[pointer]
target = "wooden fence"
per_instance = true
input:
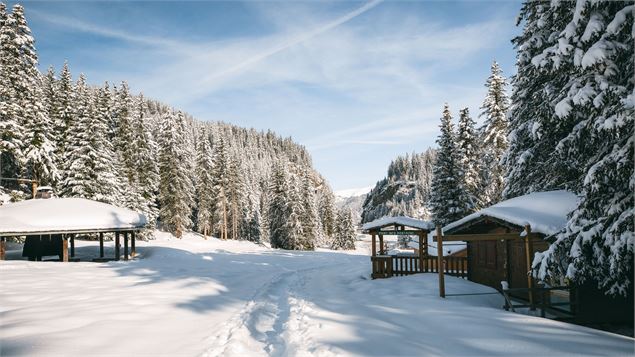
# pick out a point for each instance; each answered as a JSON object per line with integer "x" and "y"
{"x": 385, "y": 266}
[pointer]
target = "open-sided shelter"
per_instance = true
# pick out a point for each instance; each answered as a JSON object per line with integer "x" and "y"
{"x": 49, "y": 225}
{"x": 385, "y": 265}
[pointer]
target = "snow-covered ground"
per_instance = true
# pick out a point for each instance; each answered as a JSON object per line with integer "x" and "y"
{"x": 195, "y": 297}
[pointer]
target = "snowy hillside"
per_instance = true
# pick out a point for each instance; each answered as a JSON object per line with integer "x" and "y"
{"x": 193, "y": 297}
{"x": 352, "y": 199}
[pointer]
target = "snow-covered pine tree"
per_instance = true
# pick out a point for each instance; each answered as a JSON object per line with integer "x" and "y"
{"x": 236, "y": 199}
{"x": 65, "y": 114}
{"x": 470, "y": 158}
{"x": 107, "y": 180}
{"x": 533, "y": 135}
{"x": 13, "y": 87}
{"x": 494, "y": 136}
{"x": 37, "y": 143}
{"x": 345, "y": 235}
{"x": 175, "y": 209}
{"x": 145, "y": 161}
{"x": 278, "y": 210}
{"x": 594, "y": 111}
{"x": 220, "y": 188}
{"x": 328, "y": 216}
{"x": 309, "y": 215}
{"x": 204, "y": 184}
{"x": 80, "y": 154}
{"x": 449, "y": 199}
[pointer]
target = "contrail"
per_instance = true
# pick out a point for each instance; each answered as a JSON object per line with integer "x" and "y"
{"x": 294, "y": 41}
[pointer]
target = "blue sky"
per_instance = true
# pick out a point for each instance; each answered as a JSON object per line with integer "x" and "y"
{"x": 357, "y": 83}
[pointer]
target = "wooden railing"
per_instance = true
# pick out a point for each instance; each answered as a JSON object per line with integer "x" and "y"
{"x": 541, "y": 299}
{"x": 385, "y": 266}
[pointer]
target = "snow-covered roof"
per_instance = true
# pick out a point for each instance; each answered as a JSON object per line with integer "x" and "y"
{"x": 545, "y": 212}
{"x": 399, "y": 220}
{"x": 65, "y": 215}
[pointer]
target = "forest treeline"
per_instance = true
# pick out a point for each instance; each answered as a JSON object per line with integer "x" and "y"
{"x": 107, "y": 144}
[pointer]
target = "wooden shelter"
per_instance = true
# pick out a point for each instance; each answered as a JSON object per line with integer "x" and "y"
{"x": 51, "y": 226}
{"x": 385, "y": 265}
{"x": 501, "y": 243}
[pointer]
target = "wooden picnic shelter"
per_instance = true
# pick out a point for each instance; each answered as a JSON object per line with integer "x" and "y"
{"x": 385, "y": 265}
{"x": 51, "y": 226}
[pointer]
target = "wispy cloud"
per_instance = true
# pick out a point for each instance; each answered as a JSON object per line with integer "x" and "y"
{"x": 337, "y": 76}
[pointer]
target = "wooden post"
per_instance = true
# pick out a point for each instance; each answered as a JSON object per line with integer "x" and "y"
{"x": 440, "y": 262}
{"x": 425, "y": 243}
{"x": 72, "y": 245}
{"x": 125, "y": 245}
{"x": 421, "y": 252}
{"x": 528, "y": 254}
{"x": 64, "y": 248}
{"x": 381, "y": 244}
{"x": 374, "y": 246}
{"x": 101, "y": 245}
{"x": 133, "y": 250}
{"x": 34, "y": 187}
{"x": 116, "y": 245}
{"x": 3, "y": 248}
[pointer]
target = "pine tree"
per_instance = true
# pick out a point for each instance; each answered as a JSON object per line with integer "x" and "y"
{"x": 585, "y": 135}
{"x": 220, "y": 188}
{"x": 309, "y": 215}
{"x": 204, "y": 184}
{"x": 494, "y": 134}
{"x": 65, "y": 114}
{"x": 144, "y": 160}
{"x": 469, "y": 157}
{"x": 326, "y": 208}
{"x": 175, "y": 208}
{"x": 345, "y": 235}
{"x": 15, "y": 88}
{"x": 449, "y": 198}
{"x": 80, "y": 153}
{"x": 108, "y": 181}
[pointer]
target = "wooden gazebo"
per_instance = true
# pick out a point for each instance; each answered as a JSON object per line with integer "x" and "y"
{"x": 49, "y": 225}
{"x": 385, "y": 265}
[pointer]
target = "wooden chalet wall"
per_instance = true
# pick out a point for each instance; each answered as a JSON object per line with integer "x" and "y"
{"x": 490, "y": 262}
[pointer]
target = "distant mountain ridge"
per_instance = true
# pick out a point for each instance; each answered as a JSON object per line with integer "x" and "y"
{"x": 404, "y": 191}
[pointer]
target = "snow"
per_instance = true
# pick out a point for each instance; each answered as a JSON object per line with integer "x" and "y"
{"x": 545, "y": 212}
{"x": 353, "y": 192}
{"x": 65, "y": 214}
{"x": 196, "y": 297}
{"x": 398, "y": 220}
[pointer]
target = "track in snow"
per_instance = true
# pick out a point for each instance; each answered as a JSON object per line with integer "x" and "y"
{"x": 273, "y": 323}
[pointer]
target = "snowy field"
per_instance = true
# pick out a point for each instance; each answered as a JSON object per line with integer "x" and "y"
{"x": 193, "y": 297}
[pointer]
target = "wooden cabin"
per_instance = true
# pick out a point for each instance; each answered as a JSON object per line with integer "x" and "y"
{"x": 497, "y": 251}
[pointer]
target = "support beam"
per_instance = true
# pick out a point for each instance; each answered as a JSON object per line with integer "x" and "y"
{"x": 125, "y": 246}
{"x": 528, "y": 254}
{"x": 479, "y": 237}
{"x": 72, "y": 245}
{"x": 133, "y": 250}
{"x": 64, "y": 248}
{"x": 117, "y": 253}
{"x": 425, "y": 243}
{"x": 374, "y": 246}
{"x": 421, "y": 252}
{"x": 3, "y": 248}
{"x": 101, "y": 244}
{"x": 440, "y": 262}
{"x": 381, "y": 245}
